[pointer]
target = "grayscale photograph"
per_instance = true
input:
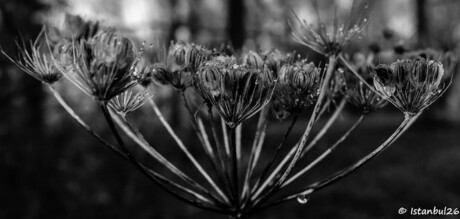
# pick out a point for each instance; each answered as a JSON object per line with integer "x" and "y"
{"x": 229, "y": 109}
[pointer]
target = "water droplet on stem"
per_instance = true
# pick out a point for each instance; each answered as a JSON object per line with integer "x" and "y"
{"x": 302, "y": 199}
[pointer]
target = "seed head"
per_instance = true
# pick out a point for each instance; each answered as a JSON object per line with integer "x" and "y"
{"x": 237, "y": 92}
{"x": 411, "y": 85}
{"x": 36, "y": 61}
{"x": 103, "y": 66}
{"x": 297, "y": 87}
{"x": 331, "y": 42}
{"x": 359, "y": 94}
{"x": 126, "y": 102}
{"x": 183, "y": 60}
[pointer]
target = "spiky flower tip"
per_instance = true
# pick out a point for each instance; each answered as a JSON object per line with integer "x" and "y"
{"x": 237, "y": 92}
{"x": 127, "y": 102}
{"x": 411, "y": 85}
{"x": 36, "y": 61}
{"x": 297, "y": 88}
{"x": 103, "y": 66}
{"x": 183, "y": 60}
{"x": 331, "y": 42}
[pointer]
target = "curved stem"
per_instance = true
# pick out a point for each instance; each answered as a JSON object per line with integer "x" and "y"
{"x": 202, "y": 136}
{"x": 318, "y": 136}
{"x": 255, "y": 151}
{"x": 147, "y": 172}
{"x": 326, "y": 127}
{"x": 137, "y": 136}
{"x": 77, "y": 118}
{"x": 300, "y": 146}
{"x": 187, "y": 152}
{"x": 223, "y": 156}
{"x": 346, "y": 171}
{"x": 206, "y": 146}
{"x": 156, "y": 177}
{"x": 272, "y": 161}
{"x": 324, "y": 154}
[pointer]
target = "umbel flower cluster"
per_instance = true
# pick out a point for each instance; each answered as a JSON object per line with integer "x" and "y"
{"x": 107, "y": 66}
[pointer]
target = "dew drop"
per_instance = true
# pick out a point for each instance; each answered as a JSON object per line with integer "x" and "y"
{"x": 302, "y": 199}
{"x": 365, "y": 20}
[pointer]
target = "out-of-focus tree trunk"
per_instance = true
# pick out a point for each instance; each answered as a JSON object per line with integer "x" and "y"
{"x": 235, "y": 23}
{"x": 422, "y": 23}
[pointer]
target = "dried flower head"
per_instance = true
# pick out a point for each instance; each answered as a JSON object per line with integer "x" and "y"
{"x": 237, "y": 92}
{"x": 195, "y": 55}
{"x": 448, "y": 59}
{"x": 297, "y": 87}
{"x": 411, "y": 85}
{"x": 275, "y": 59}
{"x": 331, "y": 42}
{"x": 126, "y": 102}
{"x": 361, "y": 96}
{"x": 365, "y": 99}
{"x": 36, "y": 61}
{"x": 103, "y": 66}
{"x": 183, "y": 60}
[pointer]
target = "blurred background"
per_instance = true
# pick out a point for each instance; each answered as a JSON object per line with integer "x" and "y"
{"x": 51, "y": 168}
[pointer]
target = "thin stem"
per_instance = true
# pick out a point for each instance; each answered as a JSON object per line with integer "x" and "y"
{"x": 300, "y": 146}
{"x": 77, "y": 118}
{"x": 310, "y": 145}
{"x": 326, "y": 127}
{"x": 206, "y": 147}
{"x": 255, "y": 151}
{"x": 346, "y": 171}
{"x": 201, "y": 133}
{"x": 347, "y": 64}
{"x": 157, "y": 178}
{"x": 187, "y": 152}
{"x": 272, "y": 161}
{"x": 142, "y": 168}
{"x": 324, "y": 108}
{"x": 324, "y": 154}
{"x": 224, "y": 134}
{"x": 139, "y": 138}
{"x": 224, "y": 159}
